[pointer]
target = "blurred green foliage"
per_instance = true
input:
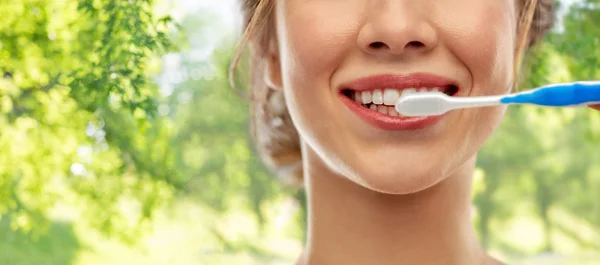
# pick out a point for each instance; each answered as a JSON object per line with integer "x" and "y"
{"x": 97, "y": 160}
{"x": 542, "y": 163}
{"x": 76, "y": 102}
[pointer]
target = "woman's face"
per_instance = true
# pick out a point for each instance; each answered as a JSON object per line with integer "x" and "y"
{"x": 344, "y": 62}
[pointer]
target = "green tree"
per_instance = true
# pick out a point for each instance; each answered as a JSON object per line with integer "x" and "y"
{"x": 77, "y": 111}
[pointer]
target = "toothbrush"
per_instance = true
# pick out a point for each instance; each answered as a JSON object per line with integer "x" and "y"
{"x": 558, "y": 95}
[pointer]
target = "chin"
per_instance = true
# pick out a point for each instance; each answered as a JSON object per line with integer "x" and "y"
{"x": 399, "y": 179}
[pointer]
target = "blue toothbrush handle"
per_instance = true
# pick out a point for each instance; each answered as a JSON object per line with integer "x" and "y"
{"x": 559, "y": 95}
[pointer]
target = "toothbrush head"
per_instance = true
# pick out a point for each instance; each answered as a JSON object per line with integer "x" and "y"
{"x": 423, "y": 104}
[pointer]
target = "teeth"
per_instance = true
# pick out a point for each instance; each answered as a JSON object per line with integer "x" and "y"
{"x": 377, "y": 96}
{"x": 409, "y": 90}
{"x": 387, "y": 96}
{"x": 366, "y": 97}
{"x": 433, "y": 89}
{"x": 390, "y": 96}
{"x": 383, "y": 100}
{"x": 357, "y": 97}
{"x": 392, "y": 112}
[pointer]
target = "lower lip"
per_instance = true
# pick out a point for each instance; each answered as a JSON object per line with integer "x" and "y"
{"x": 387, "y": 122}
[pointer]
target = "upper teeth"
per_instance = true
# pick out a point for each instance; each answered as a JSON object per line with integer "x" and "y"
{"x": 388, "y": 96}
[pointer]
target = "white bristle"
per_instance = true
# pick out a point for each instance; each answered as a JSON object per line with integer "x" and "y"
{"x": 422, "y": 104}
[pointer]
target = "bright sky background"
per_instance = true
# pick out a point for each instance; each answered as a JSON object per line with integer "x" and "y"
{"x": 227, "y": 10}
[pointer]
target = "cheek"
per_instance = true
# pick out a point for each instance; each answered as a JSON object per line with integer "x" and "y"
{"x": 313, "y": 41}
{"x": 482, "y": 35}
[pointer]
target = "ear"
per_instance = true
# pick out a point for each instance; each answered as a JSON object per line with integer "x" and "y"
{"x": 272, "y": 71}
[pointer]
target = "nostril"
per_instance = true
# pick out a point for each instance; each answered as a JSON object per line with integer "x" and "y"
{"x": 415, "y": 44}
{"x": 377, "y": 45}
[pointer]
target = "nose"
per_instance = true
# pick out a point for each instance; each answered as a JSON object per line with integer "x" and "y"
{"x": 399, "y": 29}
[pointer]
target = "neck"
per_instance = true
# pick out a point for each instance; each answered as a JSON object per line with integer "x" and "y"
{"x": 349, "y": 224}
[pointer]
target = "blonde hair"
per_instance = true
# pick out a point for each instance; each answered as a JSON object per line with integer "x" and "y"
{"x": 276, "y": 139}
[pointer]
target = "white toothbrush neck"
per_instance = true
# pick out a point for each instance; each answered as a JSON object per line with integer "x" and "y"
{"x": 474, "y": 102}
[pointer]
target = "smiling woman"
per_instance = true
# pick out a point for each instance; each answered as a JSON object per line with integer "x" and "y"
{"x": 280, "y": 145}
{"x": 324, "y": 73}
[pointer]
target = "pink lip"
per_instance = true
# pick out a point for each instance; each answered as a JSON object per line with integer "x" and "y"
{"x": 388, "y": 122}
{"x": 399, "y": 82}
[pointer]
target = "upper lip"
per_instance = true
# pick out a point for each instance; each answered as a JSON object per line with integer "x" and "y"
{"x": 417, "y": 80}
